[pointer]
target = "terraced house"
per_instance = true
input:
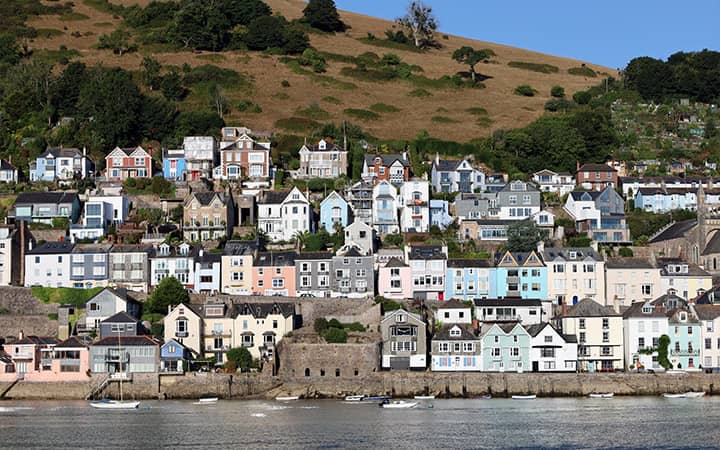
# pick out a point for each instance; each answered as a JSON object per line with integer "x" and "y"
{"x": 124, "y": 163}
{"x": 428, "y": 264}
{"x": 468, "y": 279}
{"x": 353, "y": 273}
{"x": 130, "y": 266}
{"x": 208, "y": 215}
{"x": 505, "y": 348}
{"x": 313, "y": 274}
{"x": 274, "y": 274}
{"x": 173, "y": 261}
{"x": 89, "y": 266}
{"x": 519, "y": 274}
{"x": 237, "y": 267}
{"x": 574, "y": 274}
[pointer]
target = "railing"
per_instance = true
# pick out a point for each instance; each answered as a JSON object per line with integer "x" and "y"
{"x": 23, "y": 355}
{"x": 121, "y": 376}
{"x": 116, "y": 358}
{"x": 686, "y": 352}
{"x": 182, "y": 334}
{"x": 221, "y": 333}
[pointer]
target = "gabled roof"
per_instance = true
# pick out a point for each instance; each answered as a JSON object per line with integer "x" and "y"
{"x": 387, "y": 160}
{"x": 713, "y": 245}
{"x": 395, "y": 262}
{"x": 459, "y": 263}
{"x": 333, "y": 195}
{"x": 453, "y": 304}
{"x": 126, "y": 341}
{"x": 275, "y": 259}
{"x": 239, "y": 248}
{"x": 517, "y": 259}
{"x": 628, "y": 263}
{"x": 535, "y": 329}
{"x": 578, "y": 195}
{"x": 35, "y": 340}
{"x": 594, "y": 167}
{"x": 444, "y": 334}
{"x": 427, "y": 252}
{"x": 120, "y": 317}
{"x": 566, "y": 253}
{"x": 262, "y": 310}
{"x": 707, "y": 312}
{"x": 52, "y": 248}
{"x": 132, "y": 248}
{"x": 4, "y": 165}
{"x": 509, "y": 301}
{"x": 588, "y": 307}
{"x": 676, "y": 230}
{"x": 272, "y": 197}
{"x": 56, "y": 198}
{"x": 329, "y": 147}
{"x": 61, "y": 152}
{"x": 206, "y": 198}
{"x": 118, "y": 292}
{"x": 92, "y": 248}
{"x": 75, "y": 342}
{"x": 636, "y": 311}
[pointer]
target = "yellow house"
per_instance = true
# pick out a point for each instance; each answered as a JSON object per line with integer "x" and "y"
{"x": 599, "y": 331}
{"x": 237, "y": 267}
{"x": 184, "y": 324}
{"x": 687, "y": 280}
{"x": 261, "y": 326}
{"x": 630, "y": 280}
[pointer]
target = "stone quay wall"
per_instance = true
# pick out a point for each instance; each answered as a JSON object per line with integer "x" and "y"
{"x": 397, "y": 384}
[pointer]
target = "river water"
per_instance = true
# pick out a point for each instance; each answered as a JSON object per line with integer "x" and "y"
{"x": 497, "y": 423}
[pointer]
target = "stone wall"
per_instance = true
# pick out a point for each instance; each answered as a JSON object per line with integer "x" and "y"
{"x": 369, "y": 317}
{"x": 21, "y": 311}
{"x": 308, "y": 361}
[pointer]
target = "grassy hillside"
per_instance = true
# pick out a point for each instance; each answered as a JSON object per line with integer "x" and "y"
{"x": 386, "y": 109}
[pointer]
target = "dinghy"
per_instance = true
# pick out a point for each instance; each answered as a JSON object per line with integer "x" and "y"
{"x": 666, "y": 395}
{"x": 606, "y": 395}
{"x": 694, "y": 394}
{"x": 424, "y": 397}
{"x": 206, "y": 401}
{"x": 354, "y": 398}
{"x": 524, "y": 397}
{"x": 287, "y": 398}
{"x": 114, "y": 404}
{"x": 399, "y": 404}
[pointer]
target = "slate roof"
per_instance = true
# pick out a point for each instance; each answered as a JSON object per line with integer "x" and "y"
{"x": 262, "y": 310}
{"x": 387, "y": 160}
{"x": 208, "y": 257}
{"x": 265, "y": 259}
{"x": 535, "y": 329}
{"x": 4, "y": 165}
{"x": 510, "y": 301}
{"x": 62, "y": 152}
{"x": 588, "y": 307}
{"x": 581, "y": 253}
{"x": 120, "y": 317}
{"x": 444, "y": 334}
{"x": 312, "y": 256}
{"x": 126, "y": 341}
{"x": 75, "y": 342}
{"x": 395, "y": 262}
{"x": 427, "y": 252}
{"x": 273, "y": 197}
{"x": 709, "y": 297}
{"x": 595, "y": 167}
{"x": 45, "y": 197}
{"x": 453, "y": 304}
{"x": 693, "y": 269}
{"x": 674, "y": 231}
{"x": 577, "y": 195}
{"x": 92, "y": 248}
{"x": 468, "y": 262}
{"x": 635, "y": 310}
{"x": 132, "y": 248}
{"x": 713, "y": 246}
{"x": 628, "y": 263}
{"x": 36, "y": 340}
{"x": 353, "y": 252}
{"x": 329, "y": 147}
{"x": 673, "y": 316}
{"x": 205, "y": 198}
{"x": 507, "y": 327}
{"x": 707, "y": 312}
{"x": 52, "y": 248}
{"x": 239, "y": 248}
{"x": 5, "y": 358}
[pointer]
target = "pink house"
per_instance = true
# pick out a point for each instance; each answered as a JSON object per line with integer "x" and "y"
{"x": 395, "y": 280}
{"x": 274, "y": 274}
{"x": 71, "y": 360}
{"x": 31, "y": 355}
{"x": 38, "y": 359}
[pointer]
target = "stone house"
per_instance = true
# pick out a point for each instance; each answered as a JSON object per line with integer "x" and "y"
{"x": 208, "y": 216}
{"x": 324, "y": 160}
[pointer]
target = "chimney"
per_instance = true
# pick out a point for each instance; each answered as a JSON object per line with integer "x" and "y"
{"x": 616, "y": 305}
{"x": 201, "y": 253}
{"x": 437, "y": 158}
{"x": 21, "y": 335}
{"x": 540, "y": 247}
{"x": 564, "y": 308}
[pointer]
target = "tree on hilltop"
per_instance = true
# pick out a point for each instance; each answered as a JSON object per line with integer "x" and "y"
{"x": 470, "y": 56}
{"x": 420, "y": 23}
{"x": 323, "y": 15}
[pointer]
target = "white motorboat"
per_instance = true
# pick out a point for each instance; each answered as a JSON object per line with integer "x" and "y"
{"x": 424, "y": 397}
{"x": 666, "y": 395}
{"x": 524, "y": 397}
{"x": 206, "y": 401}
{"x": 287, "y": 398}
{"x": 605, "y": 395}
{"x": 399, "y": 404}
{"x": 354, "y": 398}
{"x": 694, "y": 394}
{"x": 114, "y": 404}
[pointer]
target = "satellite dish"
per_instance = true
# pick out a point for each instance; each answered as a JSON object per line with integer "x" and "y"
{"x": 363, "y": 144}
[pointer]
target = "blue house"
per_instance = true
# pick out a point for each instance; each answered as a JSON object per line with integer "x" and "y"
{"x": 334, "y": 210}
{"x": 468, "y": 279}
{"x": 58, "y": 164}
{"x": 505, "y": 348}
{"x": 174, "y": 165}
{"x": 440, "y": 214}
{"x": 521, "y": 275}
{"x": 684, "y": 333}
{"x": 173, "y": 356}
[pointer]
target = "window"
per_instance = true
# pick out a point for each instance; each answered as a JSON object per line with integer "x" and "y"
{"x": 581, "y": 339}
{"x": 641, "y": 343}
{"x": 495, "y": 352}
{"x": 548, "y": 339}
{"x": 547, "y": 352}
{"x": 278, "y": 283}
{"x": 581, "y": 324}
{"x": 647, "y": 289}
{"x": 689, "y": 330}
{"x": 606, "y": 323}
{"x": 708, "y": 344}
{"x": 606, "y": 336}
{"x": 515, "y": 351}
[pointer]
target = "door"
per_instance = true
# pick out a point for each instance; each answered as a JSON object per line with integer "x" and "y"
{"x": 536, "y": 366}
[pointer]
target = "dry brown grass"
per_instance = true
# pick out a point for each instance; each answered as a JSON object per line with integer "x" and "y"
{"x": 505, "y": 109}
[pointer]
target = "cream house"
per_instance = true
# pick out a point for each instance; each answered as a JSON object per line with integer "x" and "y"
{"x": 184, "y": 324}
{"x": 575, "y": 273}
{"x": 709, "y": 316}
{"x": 237, "y": 267}
{"x": 259, "y": 327}
{"x": 630, "y": 280}
{"x": 599, "y": 331}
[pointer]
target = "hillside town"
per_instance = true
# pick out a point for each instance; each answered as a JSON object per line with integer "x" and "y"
{"x": 458, "y": 270}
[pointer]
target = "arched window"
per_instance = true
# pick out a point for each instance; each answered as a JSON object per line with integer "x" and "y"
{"x": 307, "y": 372}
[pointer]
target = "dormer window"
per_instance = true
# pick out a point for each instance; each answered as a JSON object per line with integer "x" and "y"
{"x": 164, "y": 250}
{"x": 455, "y": 332}
{"x": 184, "y": 249}
{"x": 647, "y": 309}
{"x": 683, "y": 317}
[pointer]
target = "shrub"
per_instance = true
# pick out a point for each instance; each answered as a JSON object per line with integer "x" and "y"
{"x": 383, "y": 108}
{"x": 335, "y": 336}
{"x": 240, "y": 357}
{"x": 320, "y": 325}
{"x": 477, "y": 111}
{"x": 626, "y": 252}
{"x": 419, "y": 93}
{"x": 443, "y": 119}
{"x": 535, "y": 67}
{"x": 525, "y": 90}
{"x": 333, "y": 100}
{"x": 297, "y": 124}
{"x": 210, "y": 73}
{"x": 662, "y": 350}
{"x": 583, "y": 71}
{"x": 558, "y": 104}
{"x": 285, "y": 83}
{"x": 557, "y": 91}
{"x": 362, "y": 114}
{"x": 582, "y": 97}
{"x": 313, "y": 111}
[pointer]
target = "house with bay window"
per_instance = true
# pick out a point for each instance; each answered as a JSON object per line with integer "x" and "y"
{"x": 185, "y": 325}
{"x": 456, "y": 175}
{"x": 60, "y": 164}
{"x": 243, "y": 157}
{"x": 313, "y": 274}
{"x": 208, "y": 216}
{"x": 334, "y": 213}
{"x": 124, "y": 163}
{"x": 429, "y": 268}
{"x": 173, "y": 261}
{"x": 274, "y": 274}
{"x": 414, "y": 201}
{"x": 259, "y": 327}
{"x": 283, "y": 214}
{"x": 385, "y": 205}
{"x": 505, "y": 348}
{"x": 455, "y": 348}
{"x": 324, "y": 160}
{"x": 89, "y": 266}
{"x": 489, "y": 311}
{"x": 518, "y": 200}
{"x": 237, "y": 267}
{"x": 404, "y": 341}
{"x": 468, "y": 279}
{"x": 43, "y": 207}
{"x": 519, "y": 274}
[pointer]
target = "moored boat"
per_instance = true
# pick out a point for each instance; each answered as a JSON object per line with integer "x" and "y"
{"x": 424, "y": 397}
{"x": 287, "y": 398}
{"x": 114, "y": 404}
{"x": 605, "y": 395}
{"x": 398, "y": 404}
{"x": 375, "y": 398}
{"x": 206, "y": 401}
{"x": 666, "y": 395}
{"x": 694, "y": 394}
{"x": 524, "y": 397}
{"x": 354, "y": 398}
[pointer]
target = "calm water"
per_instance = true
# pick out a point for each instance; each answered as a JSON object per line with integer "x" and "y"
{"x": 569, "y": 423}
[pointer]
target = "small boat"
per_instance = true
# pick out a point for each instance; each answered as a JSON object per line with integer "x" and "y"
{"x": 482, "y": 397}
{"x": 524, "y": 397}
{"x": 114, "y": 404}
{"x": 694, "y": 394}
{"x": 605, "y": 395}
{"x": 206, "y": 401}
{"x": 287, "y": 398}
{"x": 398, "y": 404}
{"x": 666, "y": 395}
{"x": 375, "y": 398}
{"x": 354, "y": 398}
{"x": 424, "y": 397}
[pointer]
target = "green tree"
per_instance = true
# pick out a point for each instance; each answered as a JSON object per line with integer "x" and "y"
{"x": 662, "y": 350}
{"x": 9, "y": 49}
{"x": 157, "y": 118}
{"x": 470, "y": 56}
{"x": 524, "y": 235}
{"x": 118, "y": 41}
{"x": 265, "y": 32}
{"x": 240, "y": 357}
{"x": 150, "y": 72}
{"x": 242, "y": 12}
{"x": 421, "y": 24}
{"x": 582, "y": 97}
{"x": 66, "y": 88}
{"x": 320, "y": 325}
{"x": 168, "y": 292}
{"x": 711, "y": 130}
{"x": 335, "y": 336}
{"x": 171, "y": 86}
{"x": 323, "y": 15}
{"x": 557, "y": 91}
{"x": 201, "y": 24}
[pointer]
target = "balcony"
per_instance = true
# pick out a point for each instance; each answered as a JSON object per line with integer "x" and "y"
{"x": 182, "y": 334}
{"x": 165, "y": 271}
{"x": 23, "y": 355}
{"x": 685, "y": 352}
{"x": 227, "y": 333}
{"x": 109, "y": 357}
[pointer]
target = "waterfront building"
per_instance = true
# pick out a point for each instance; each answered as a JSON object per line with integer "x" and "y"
{"x": 455, "y": 348}
{"x": 105, "y": 304}
{"x": 643, "y": 324}
{"x": 574, "y": 272}
{"x": 550, "y": 350}
{"x": 468, "y": 279}
{"x": 395, "y": 280}
{"x": 404, "y": 341}
{"x": 505, "y": 348}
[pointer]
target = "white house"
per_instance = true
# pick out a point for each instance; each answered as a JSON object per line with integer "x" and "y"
{"x": 172, "y": 261}
{"x": 200, "y": 156}
{"x": 283, "y": 214}
{"x": 524, "y": 311}
{"x": 550, "y": 350}
{"x": 208, "y": 277}
{"x": 100, "y": 212}
{"x": 549, "y": 181}
{"x": 709, "y": 316}
{"x": 415, "y": 207}
{"x": 8, "y": 172}
{"x": 574, "y": 274}
{"x": 385, "y": 208}
{"x": 428, "y": 264}
{"x": 454, "y": 311}
{"x": 643, "y": 324}
{"x": 456, "y": 176}
{"x": 361, "y": 235}
{"x": 49, "y": 265}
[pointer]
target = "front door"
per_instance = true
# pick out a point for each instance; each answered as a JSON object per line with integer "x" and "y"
{"x": 536, "y": 366}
